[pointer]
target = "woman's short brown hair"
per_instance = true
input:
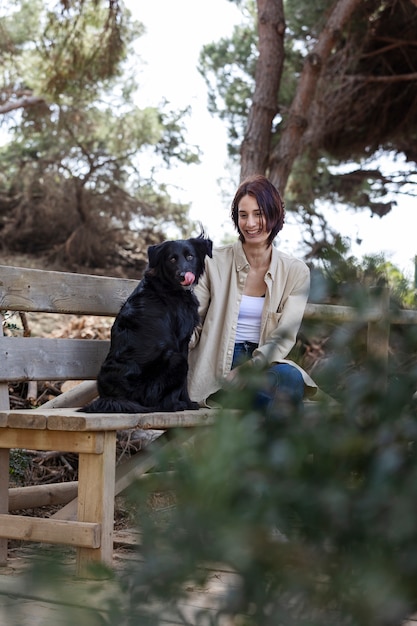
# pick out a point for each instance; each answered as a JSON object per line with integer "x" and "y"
{"x": 269, "y": 201}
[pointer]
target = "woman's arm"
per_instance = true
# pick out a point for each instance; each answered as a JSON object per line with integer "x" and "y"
{"x": 281, "y": 327}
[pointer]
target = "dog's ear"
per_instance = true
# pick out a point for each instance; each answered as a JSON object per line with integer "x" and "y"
{"x": 203, "y": 245}
{"x": 154, "y": 253}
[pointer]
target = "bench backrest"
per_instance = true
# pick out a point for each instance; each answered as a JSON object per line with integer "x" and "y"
{"x": 53, "y": 359}
{"x": 39, "y": 358}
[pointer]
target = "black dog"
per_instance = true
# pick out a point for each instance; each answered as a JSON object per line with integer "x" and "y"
{"x": 147, "y": 364}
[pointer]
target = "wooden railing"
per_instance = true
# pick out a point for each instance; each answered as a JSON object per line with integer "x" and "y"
{"x": 378, "y": 316}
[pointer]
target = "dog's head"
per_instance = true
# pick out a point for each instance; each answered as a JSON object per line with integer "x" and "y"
{"x": 179, "y": 262}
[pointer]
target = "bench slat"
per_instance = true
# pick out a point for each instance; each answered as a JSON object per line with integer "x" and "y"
{"x": 82, "y": 534}
{"x": 23, "y": 289}
{"x": 38, "y": 358}
{"x": 72, "y": 421}
{"x": 64, "y": 441}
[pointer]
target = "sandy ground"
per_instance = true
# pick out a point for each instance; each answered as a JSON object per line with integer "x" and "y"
{"x": 25, "y": 602}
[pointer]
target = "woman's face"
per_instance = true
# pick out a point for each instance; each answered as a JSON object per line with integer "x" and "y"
{"x": 251, "y": 221}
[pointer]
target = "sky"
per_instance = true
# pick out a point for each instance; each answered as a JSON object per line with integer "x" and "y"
{"x": 175, "y": 33}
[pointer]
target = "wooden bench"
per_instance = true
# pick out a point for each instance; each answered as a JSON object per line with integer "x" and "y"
{"x": 87, "y": 521}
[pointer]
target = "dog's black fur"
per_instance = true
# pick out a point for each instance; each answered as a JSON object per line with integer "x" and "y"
{"x": 147, "y": 364}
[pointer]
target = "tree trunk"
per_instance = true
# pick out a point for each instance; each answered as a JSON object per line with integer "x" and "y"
{"x": 289, "y": 146}
{"x": 256, "y": 143}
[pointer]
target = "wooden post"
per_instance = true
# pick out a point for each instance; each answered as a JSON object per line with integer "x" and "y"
{"x": 379, "y": 329}
{"x": 96, "y": 481}
{"x": 4, "y": 497}
{"x": 4, "y": 465}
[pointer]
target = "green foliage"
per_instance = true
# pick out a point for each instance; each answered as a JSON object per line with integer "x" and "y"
{"x": 80, "y": 154}
{"x": 9, "y": 322}
{"x": 338, "y": 277}
{"x": 340, "y": 485}
{"x": 314, "y": 512}
{"x": 19, "y": 466}
{"x": 306, "y": 20}
{"x": 344, "y": 155}
{"x": 228, "y": 67}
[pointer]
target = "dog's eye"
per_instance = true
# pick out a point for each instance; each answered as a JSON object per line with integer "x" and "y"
{"x": 173, "y": 259}
{"x": 189, "y": 257}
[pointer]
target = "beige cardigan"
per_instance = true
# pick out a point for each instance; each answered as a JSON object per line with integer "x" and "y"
{"x": 220, "y": 291}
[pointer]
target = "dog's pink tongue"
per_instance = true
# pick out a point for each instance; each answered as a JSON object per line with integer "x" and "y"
{"x": 189, "y": 278}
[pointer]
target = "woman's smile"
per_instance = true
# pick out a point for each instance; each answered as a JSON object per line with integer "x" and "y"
{"x": 253, "y": 233}
{"x": 251, "y": 220}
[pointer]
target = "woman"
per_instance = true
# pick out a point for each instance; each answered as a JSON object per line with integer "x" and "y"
{"x": 252, "y": 299}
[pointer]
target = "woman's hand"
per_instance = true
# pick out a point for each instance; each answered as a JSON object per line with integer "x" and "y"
{"x": 234, "y": 378}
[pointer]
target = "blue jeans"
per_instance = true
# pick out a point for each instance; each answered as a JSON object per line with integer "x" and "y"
{"x": 284, "y": 382}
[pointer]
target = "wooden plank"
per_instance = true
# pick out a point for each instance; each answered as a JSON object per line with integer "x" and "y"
{"x": 119, "y": 421}
{"x": 139, "y": 464}
{"x": 23, "y": 289}
{"x": 27, "y": 419}
{"x": 330, "y": 312}
{"x": 96, "y": 480}
{"x": 126, "y": 472}
{"x": 79, "y": 442}
{"x": 342, "y": 314}
{"x": 4, "y": 497}
{"x": 180, "y": 419}
{"x": 379, "y": 332}
{"x": 67, "y": 512}
{"x": 46, "y": 530}
{"x": 79, "y": 395}
{"x": 71, "y": 420}
{"x": 67, "y": 419}
{"x": 4, "y": 461}
{"x": 33, "y": 496}
{"x": 40, "y": 358}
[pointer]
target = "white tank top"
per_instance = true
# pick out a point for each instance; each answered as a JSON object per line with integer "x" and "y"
{"x": 249, "y": 320}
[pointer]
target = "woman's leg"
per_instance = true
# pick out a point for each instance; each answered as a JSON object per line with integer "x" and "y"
{"x": 284, "y": 388}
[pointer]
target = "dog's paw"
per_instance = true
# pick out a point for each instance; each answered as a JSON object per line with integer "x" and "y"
{"x": 183, "y": 405}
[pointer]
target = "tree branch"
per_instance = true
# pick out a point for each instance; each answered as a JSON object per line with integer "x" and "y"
{"x": 284, "y": 155}
{"x": 384, "y": 79}
{"x": 256, "y": 143}
{"x": 22, "y": 103}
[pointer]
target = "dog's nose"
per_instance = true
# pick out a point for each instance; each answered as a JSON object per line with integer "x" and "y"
{"x": 188, "y": 278}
